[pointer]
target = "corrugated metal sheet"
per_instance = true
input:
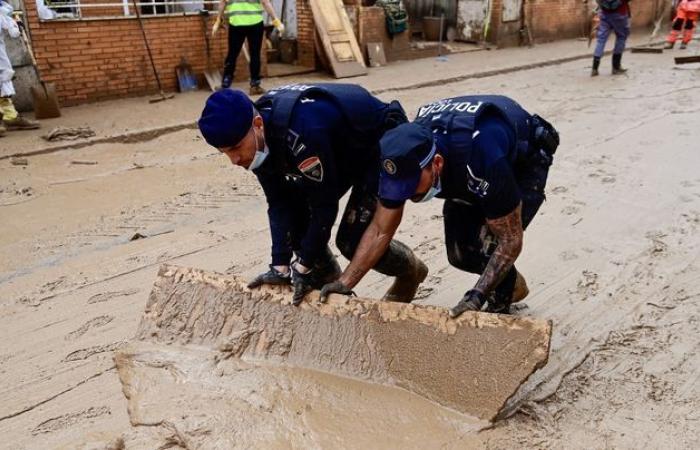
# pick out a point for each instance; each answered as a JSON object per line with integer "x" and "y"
{"x": 417, "y": 9}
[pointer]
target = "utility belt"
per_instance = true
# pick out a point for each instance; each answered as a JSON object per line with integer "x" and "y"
{"x": 544, "y": 141}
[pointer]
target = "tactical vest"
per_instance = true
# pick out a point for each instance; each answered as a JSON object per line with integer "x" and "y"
{"x": 367, "y": 117}
{"x": 244, "y": 12}
{"x": 460, "y": 114}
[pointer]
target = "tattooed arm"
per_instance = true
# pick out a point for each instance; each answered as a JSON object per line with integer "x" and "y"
{"x": 509, "y": 233}
{"x": 373, "y": 244}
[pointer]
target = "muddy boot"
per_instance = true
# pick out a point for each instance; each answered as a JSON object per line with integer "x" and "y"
{"x": 3, "y": 130}
{"x": 256, "y": 90}
{"x": 399, "y": 261}
{"x": 20, "y": 123}
{"x": 596, "y": 64}
{"x": 327, "y": 269}
{"x": 683, "y": 46}
{"x": 617, "y": 65}
{"x": 669, "y": 45}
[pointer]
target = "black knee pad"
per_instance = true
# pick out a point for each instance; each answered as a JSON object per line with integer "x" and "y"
{"x": 470, "y": 260}
{"x": 677, "y": 24}
{"x": 689, "y": 24}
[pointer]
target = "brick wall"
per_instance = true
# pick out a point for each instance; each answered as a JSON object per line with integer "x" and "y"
{"x": 306, "y": 49}
{"x": 559, "y": 19}
{"x": 371, "y": 27}
{"x": 91, "y": 60}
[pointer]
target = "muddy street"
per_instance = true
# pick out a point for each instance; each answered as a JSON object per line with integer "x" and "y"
{"x": 612, "y": 259}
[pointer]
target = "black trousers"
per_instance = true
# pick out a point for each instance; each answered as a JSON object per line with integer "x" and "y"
{"x": 236, "y": 37}
{"x": 469, "y": 241}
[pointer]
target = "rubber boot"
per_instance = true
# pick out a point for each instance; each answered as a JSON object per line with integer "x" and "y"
{"x": 400, "y": 261}
{"x": 326, "y": 269}
{"x": 520, "y": 291}
{"x": 617, "y": 65}
{"x": 20, "y": 123}
{"x": 596, "y": 64}
{"x": 3, "y": 130}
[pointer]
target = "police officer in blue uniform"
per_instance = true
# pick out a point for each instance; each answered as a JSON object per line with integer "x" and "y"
{"x": 308, "y": 145}
{"x": 488, "y": 159}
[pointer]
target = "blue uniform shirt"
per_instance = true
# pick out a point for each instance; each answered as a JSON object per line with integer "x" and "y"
{"x": 323, "y": 159}
{"x": 478, "y": 167}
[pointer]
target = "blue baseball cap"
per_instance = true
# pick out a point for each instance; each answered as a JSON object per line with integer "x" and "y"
{"x": 404, "y": 151}
{"x": 226, "y": 118}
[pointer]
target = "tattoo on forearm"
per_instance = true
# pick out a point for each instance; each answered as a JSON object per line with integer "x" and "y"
{"x": 509, "y": 232}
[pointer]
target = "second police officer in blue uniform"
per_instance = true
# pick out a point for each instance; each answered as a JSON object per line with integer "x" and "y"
{"x": 309, "y": 145}
{"x": 489, "y": 159}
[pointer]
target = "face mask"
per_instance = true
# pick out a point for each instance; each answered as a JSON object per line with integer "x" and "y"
{"x": 260, "y": 155}
{"x": 432, "y": 192}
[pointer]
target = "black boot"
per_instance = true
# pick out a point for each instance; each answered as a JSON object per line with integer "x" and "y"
{"x": 326, "y": 269}
{"x": 400, "y": 261}
{"x": 617, "y": 65}
{"x": 596, "y": 64}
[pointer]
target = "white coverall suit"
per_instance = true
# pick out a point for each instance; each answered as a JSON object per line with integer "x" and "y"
{"x": 7, "y": 90}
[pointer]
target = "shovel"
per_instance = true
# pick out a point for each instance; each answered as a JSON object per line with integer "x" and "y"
{"x": 212, "y": 76}
{"x": 162, "y": 95}
{"x": 44, "y": 97}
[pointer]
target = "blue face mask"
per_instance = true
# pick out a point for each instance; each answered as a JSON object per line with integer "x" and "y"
{"x": 260, "y": 155}
{"x": 432, "y": 192}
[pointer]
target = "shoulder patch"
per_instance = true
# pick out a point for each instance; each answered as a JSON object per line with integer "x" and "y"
{"x": 312, "y": 168}
{"x": 476, "y": 185}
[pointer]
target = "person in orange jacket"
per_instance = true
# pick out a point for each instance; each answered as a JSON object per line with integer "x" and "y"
{"x": 687, "y": 14}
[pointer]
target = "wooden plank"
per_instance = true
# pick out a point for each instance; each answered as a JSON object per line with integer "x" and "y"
{"x": 687, "y": 59}
{"x": 338, "y": 39}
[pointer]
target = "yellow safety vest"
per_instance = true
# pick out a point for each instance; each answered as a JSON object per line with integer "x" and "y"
{"x": 243, "y": 12}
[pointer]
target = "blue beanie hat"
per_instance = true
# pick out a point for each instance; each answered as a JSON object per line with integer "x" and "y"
{"x": 226, "y": 118}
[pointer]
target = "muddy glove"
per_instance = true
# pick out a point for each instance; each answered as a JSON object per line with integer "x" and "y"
{"x": 272, "y": 276}
{"x": 473, "y": 300}
{"x": 336, "y": 287}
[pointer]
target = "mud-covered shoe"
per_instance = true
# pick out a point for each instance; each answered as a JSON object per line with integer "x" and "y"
{"x": 683, "y": 46}
{"x": 619, "y": 71}
{"x": 594, "y": 72}
{"x": 669, "y": 45}
{"x": 405, "y": 286}
{"x": 256, "y": 90}
{"x": 20, "y": 123}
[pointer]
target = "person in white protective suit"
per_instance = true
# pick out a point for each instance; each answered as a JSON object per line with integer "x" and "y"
{"x": 11, "y": 120}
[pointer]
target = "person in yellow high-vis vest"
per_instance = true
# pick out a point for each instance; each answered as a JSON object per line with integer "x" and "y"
{"x": 245, "y": 22}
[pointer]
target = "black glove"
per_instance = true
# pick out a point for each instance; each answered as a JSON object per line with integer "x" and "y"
{"x": 473, "y": 300}
{"x": 336, "y": 287}
{"x": 303, "y": 284}
{"x": 272, "y": 276}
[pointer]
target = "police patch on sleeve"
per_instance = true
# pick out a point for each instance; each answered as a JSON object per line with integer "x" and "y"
{"x": 389, "y": 166}
{"x": 312, "y": 168}
{"x": 476, "y": 185}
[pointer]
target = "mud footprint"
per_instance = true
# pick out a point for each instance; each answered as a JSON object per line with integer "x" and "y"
{"x": 95, "y": 322}
{"x": 105, "y": 296}
{"x": 67, "y": 420}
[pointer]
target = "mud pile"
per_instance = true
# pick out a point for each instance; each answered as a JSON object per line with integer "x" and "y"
{"x": 215, "y": 364}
